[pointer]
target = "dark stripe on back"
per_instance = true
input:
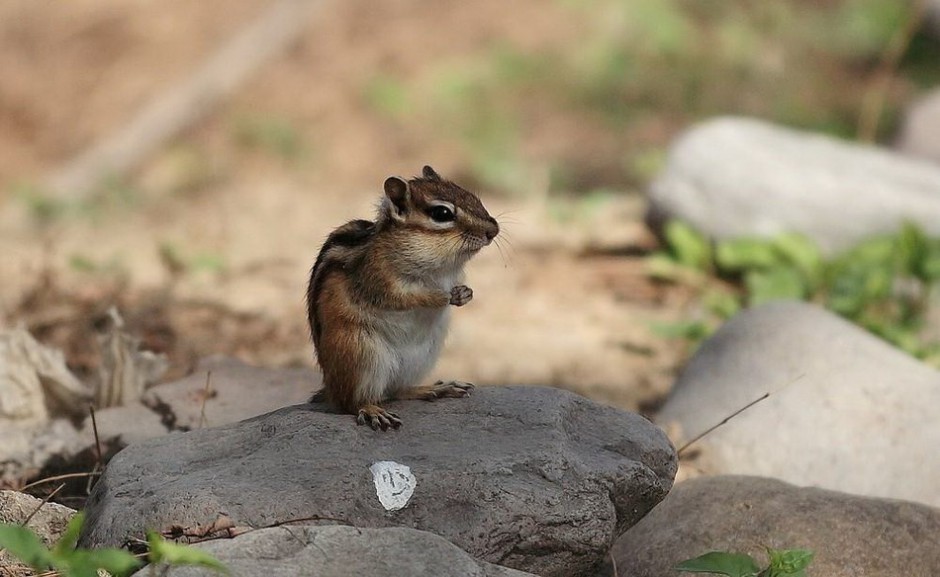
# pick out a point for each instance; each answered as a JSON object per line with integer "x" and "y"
{"x": 352, "y": 234}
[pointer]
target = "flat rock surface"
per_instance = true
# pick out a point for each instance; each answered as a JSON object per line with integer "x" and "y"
{"x": 533, "y": 478}
{"x": 232, "y": 395}
{"x": 848, "y": 411}
{"x": 738, "y": 177}
{"x": 339, "y": 551}
{"x": 851, "y": 536}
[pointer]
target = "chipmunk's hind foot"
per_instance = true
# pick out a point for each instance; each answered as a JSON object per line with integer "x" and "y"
{"x": 378, "y": 418}
{"x": 439, "y": 390}
{"x": 455, "y": 389}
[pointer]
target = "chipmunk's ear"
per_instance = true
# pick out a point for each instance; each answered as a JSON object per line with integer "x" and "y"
{"x": 430, "y": 174}
{"x": 396, "y": 189}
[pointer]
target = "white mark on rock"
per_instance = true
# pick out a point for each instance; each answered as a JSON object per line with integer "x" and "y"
{"x": 394, "y": 484}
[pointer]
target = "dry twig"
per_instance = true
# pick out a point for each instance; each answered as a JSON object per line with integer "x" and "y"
{"x": 171, "y": 112}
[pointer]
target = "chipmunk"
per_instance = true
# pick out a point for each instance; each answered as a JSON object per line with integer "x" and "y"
{"x": 379, "y": 295}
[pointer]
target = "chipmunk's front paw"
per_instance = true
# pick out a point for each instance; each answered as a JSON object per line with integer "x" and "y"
{"x": 460, "y": 295}
{"x": 378, "y": 418}
{"x": 455, "y": 389}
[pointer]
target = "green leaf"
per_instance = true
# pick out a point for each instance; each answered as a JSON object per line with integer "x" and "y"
{"x": 774, "y": 284}
{"x": 913, "y": 250}
{"x": 662, "y": 266}
{"x": 802, "y": 253}
{"x": 931, "y": 265}
{"x": 117, "y": 562}
{"x": 789, "y": 562}
{"x": 687, "y": 246}
{"x": 722, "y": 303}
{"x": 25, "y": 546}
{"x": 858, "y": 285}
{"x": 163, "y": 551}
{"x": 731, "y": 564}
{"x": 745, "y": 254}
{"x": 69, "y": 538}
{"x": 688, "y": 330}
{"x": 77, "y": 564}
{"x": 879, "y": 251}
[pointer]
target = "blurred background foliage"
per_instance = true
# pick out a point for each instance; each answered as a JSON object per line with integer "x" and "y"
{"x": 590, "y": 102}
{"x": 559, "y": 112}
{"x": 636, "y": 71}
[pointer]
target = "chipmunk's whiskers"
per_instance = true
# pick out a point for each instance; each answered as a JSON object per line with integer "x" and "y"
{"x": 500, "y": 216}
{"x": 510, "y": 250}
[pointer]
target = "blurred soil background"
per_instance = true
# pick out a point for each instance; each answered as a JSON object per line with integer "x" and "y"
{"x": 558, "y": 112}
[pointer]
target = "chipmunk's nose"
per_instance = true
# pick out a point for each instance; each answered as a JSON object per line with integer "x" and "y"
{"x": 493, "y": 230}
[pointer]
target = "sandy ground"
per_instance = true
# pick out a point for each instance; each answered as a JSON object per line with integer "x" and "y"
{"x": 212, "y": 254}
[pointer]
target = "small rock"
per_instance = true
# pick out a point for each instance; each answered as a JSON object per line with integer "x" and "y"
{"x": 738, "y": 177}
{"x": 920, "y": 131}
{"x": 26, "y": 448}
{"x": 307, "y": 461}
{"x": 847, "y": 412}
{"x": 338, "y": 551}
{"x": 33, "y": 378}
{"x": 48, "y": 522}
{"x": 851, "y": 536}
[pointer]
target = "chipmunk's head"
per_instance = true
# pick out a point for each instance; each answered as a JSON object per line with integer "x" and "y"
{"x": 444, "y": 221}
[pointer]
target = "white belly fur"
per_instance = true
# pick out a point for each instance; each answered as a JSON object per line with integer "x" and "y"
{"x": 405, "y": 346}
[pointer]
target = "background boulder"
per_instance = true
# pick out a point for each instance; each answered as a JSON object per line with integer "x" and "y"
{"x": 920, "y": 130}
{"x": 737, "y": 177}
{"x": 847, "y": 412}
{"x": 851, "y": 536}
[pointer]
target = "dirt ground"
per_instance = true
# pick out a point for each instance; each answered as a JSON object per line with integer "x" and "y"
{"x": 207, "y": 248}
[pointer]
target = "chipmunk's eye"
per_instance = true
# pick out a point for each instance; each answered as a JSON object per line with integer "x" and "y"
{"x": 441, "y": 213}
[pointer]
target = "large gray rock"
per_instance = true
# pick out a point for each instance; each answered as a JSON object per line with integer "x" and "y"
{"x": 533, "y": 478}
{"x": 851, "y": 536}
{"x": 339, "y": 551}
{"x": 920, "y": 131}
{"x": 847, "y": 411}
{"x": 736, "y": 177}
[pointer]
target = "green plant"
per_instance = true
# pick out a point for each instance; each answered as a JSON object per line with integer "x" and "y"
{"x": 166, "y": 552}
{"x": 273, "y": 135}
{"x": 46, "y": 208}
{"x": 67, "y": 560}
{"x": 83, "y": 263}
{"x": 783, "y": 563}
{"x": 42, "y": 208}
{"x": 179, "y": 261}
{"x": 883, "y": 284}
{"x": 387, "y": 96}
{"x": 623, "y": 76}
